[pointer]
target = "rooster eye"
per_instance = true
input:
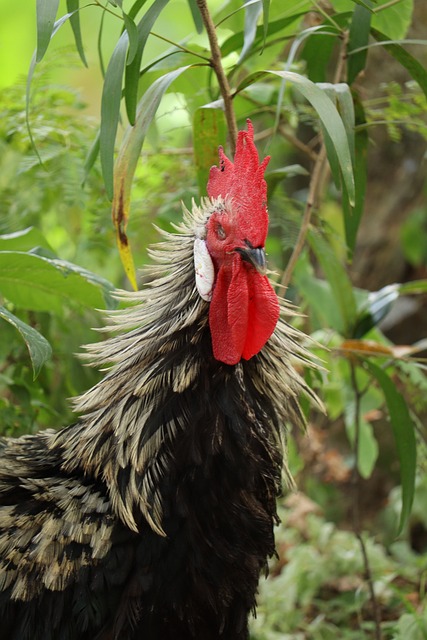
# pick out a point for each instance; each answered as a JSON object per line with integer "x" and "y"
{"x": 220, "y": 232}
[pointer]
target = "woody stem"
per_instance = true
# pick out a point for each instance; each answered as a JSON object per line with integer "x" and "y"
{"x": 216, "y": 64}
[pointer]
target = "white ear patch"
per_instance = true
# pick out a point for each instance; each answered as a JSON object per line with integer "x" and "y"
{"x": 205, "y": 272}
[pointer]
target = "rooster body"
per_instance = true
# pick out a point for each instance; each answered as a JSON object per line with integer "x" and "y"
{"x": 152, "y": 517}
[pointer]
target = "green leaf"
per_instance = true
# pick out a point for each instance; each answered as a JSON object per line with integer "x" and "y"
{"x": 24, "y": 240}
{"x": 132, "y": 13}
{"x": 404, "y": 435}
{"x": 91, "y": 157}
{"x": 358, "y": 37}
{"x": 367, "y": 453}
{"x": 341, "y": 97}
{"x": 332, "y": 124}
{"x": 235, "y": 42}
{"x": 368, "y": 449}
{"x": 411, "y": 64}
{"x": 99, "y": 43}
{"x": 110, "y": 109}
{"x": 252, "y": 13}
{"x": 127, "y": 160}
{"x": 353, "y": 214}
{"x": 395, "y": 20}
{"x": 37, "y": 283}
{"x": 324, "y": 312}
{"x": 413, "y": 287}
{"x": 265, "y": 15}
{"x": 39, "y": 349}
{"x": 46, "y": 14}
{"x": 33, "y": 63}
{"x": 340, "y": 283}
{"x": 132, "y": 30}
{"x": 336, "y": 136}
{"x": 197, "y": 18}
{"x": 317, "y": 52}
{"x": 73, "y": 9}
{"x": 145, "y": 25}
{"x": 209, "y": 131}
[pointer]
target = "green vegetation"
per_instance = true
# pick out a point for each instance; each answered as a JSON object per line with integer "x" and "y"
{"x": 74, "y": 187}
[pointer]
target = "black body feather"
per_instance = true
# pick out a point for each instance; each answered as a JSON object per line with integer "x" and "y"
{"x": 152, "y": 517}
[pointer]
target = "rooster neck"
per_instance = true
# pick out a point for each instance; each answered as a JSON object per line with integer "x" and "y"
{"x": 164, "y": 392}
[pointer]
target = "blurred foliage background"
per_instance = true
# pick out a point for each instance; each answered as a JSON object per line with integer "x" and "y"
{"x": 352, "y": 547}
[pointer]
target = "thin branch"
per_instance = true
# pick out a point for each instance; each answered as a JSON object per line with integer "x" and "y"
{"x": 318, "y": 177}
{"x": 386, "y": 5}
{"x": 216, "y": 64}
{"x": 310, "y": 204}
{"x": 356, "y": 482}
{"x": 296, "y": 142}
{"x": 179, "y": 46}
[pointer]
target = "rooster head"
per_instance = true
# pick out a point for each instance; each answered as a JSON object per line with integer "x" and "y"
{"x": 244, "y": 308}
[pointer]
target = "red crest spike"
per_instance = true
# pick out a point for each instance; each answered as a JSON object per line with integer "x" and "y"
{"x": 243, "y": 184}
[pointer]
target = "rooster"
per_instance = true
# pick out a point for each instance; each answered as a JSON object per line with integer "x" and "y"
{"x": 152, "y": 516}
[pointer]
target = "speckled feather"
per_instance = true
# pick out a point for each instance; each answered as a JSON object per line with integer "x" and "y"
{"x": 152, "y": 516}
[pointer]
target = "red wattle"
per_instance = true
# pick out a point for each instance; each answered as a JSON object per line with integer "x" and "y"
{"x": 243, "y": 312}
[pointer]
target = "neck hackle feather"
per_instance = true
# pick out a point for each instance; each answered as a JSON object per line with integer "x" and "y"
{"x": 152, "y": 516}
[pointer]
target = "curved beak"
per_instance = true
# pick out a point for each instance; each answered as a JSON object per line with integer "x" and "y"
{"x": 255, "y": 256}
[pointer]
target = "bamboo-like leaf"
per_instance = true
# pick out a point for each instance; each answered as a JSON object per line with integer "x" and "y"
{"x": 317, "y": 52}
{"x": 38, "y": 347}
{"x": 126, "y": 162}
{"x": 353, "y": 214}
{"x": 99, "y": 43}
{"x": 340, "y": 283}
{"x": 358, "y": 37}
{"x": 73, "y": 9}
{"x": 46, "y": 14}
{"x": 91, "y": 157}
{"x": 367, "y": 4}
{"x": 132, "y": 30}
{"x": 332, "y": 123}
{"x": 209, "y": 131}
{"x": 145, "y": 25}
{"x": 411, "y": 64}
{"x": 110, "y": 110}
{"x": 133, "y": 11}
{"x": 404, "y": 435}
{"x": 235, "y": 42}
{"x": 197, "y": 18}
{"x": 252, "y": 13}
{"x": 266, "y": 15}
{"x": 336, "y": 136}
{"x": 341, "y": 96}
{"x": 413, "y": 287}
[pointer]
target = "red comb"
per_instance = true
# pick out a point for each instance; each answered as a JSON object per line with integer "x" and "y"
{"x": 242, "y": 182}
